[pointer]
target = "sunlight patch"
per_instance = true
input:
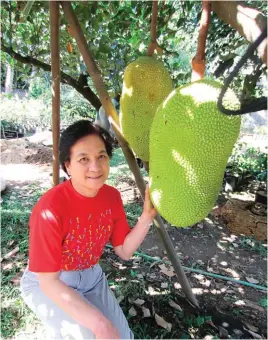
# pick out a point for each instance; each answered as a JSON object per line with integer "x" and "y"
{"x": 190, "y": 171}
{"x": 120, "y": 279}
{"x": 157, "y": 196}
{"x": 151, "y": 291}
{"x": 47, "y": 215}
{"x": 200, "y": 93}
{"x": 232, "y": 272}
{"x": 128, "y": 91}
{"x": 240, "y": 303}
{"x": 198, "y": 291}
{"x": 189, "y": 113}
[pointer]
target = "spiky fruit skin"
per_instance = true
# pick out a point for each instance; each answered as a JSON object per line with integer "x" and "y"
{"x": 146, "y": 84}
{"x": 190, "y": 143}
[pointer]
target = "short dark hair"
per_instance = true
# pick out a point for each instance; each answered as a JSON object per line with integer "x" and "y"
{"x": 75, "y": 132}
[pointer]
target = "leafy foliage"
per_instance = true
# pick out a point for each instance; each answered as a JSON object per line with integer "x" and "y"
{"x": 248, "y": 161}
{"x": 35, "y": 110}
{"x": 119, "y": 32}
{"x": 39, "y": 86}
{"x": 27, "y": 112}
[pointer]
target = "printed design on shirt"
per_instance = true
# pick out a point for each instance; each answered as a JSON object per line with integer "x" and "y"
{"x": 84, "y": 243}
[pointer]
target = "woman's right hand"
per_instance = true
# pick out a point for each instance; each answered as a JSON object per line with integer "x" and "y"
{"x": 107, "y": 331}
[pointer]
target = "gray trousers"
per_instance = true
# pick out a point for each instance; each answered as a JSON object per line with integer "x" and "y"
{"x": 92, "y": 285}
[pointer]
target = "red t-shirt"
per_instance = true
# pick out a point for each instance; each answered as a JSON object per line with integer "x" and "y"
{"x": 68, "y": 231}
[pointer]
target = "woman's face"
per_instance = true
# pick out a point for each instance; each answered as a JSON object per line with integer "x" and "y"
{"x": 89, "y": 165}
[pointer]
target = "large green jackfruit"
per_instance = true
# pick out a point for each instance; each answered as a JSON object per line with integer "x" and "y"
{"x": 146, "y": 84}
{"x": 190, "y": 143}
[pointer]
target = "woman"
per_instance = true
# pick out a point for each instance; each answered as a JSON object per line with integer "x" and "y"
{"x": 69, "y": 226}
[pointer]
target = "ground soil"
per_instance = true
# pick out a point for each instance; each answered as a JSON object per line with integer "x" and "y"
{"x": 20, "y": 151}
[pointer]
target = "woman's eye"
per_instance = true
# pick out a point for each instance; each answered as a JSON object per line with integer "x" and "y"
{"x": 102, "y": 156}
{"x": 83, "y": 160}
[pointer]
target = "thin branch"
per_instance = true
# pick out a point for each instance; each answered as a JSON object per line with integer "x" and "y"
{"x": 154, "y": 21}
{"x": 199, "y": 62}
{"x": 65, "y": 78}
{"x": 203, "y": 31}
{"x": 153, "y": 44}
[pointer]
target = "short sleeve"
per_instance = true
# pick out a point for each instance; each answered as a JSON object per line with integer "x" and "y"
{"x": 121, "y": 227}
{"x": 45, "y": 251}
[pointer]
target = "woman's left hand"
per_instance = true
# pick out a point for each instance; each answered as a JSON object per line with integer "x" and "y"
{"x": 148, "y": 207}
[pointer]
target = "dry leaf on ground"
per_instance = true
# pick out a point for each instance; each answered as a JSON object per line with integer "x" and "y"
{"x": 251, "y": 280}
{"x": 139, "y": 302}
{"x": 164, "y": 285}
{"x": 168, "y": 272}
{"x": 174, "y": 305}
{"x": 132, "y": 311}
{"x": 251, "y": 327}
{"x": 162, "y": 323}
{"x": 146, "y": 312}
{"x": 255, "y": 335}
{"x": 253, "y": 305}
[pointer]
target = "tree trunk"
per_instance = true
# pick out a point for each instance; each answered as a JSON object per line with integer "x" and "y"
{"x": 9, "y": 79}
{"x": 249, "y": 22}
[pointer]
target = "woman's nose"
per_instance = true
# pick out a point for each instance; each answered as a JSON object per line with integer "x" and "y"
{"x": 94, "y": 165}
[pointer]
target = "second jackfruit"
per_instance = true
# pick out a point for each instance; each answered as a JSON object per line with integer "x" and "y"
{"x": 190, "y": 143}
{"x": 146, "y": 84}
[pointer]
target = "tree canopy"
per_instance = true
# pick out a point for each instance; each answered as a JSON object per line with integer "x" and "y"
{"x": 117, "y": 33}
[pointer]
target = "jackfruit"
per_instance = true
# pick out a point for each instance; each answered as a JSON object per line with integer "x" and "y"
{"x": 146, "y": 84}
{"x": 190, "y": 143}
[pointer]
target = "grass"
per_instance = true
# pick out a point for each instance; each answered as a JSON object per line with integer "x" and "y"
{"x": 251, "y": 244}
{"x": 15, "y": 211}
{"x": 119, "y": 170}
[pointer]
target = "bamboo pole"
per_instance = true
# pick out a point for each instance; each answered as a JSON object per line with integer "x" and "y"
{"x": 55, "y": 71}
{"x": 113, "y": 118}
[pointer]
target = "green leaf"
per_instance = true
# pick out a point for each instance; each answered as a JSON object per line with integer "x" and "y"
{"x": 25, "y": 50}
{"x": 133, "y": 273}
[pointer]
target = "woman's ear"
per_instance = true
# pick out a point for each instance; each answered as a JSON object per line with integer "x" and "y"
{"x": 67, "y": 166}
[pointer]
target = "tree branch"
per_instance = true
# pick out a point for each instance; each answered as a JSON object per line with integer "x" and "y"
{"x": 249, "y": 22}
{"x": 86, "y": 92}
{"x": 199, "y": 60}
{"x": 203, "y": 31}
{"x": 153, "y": 44}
